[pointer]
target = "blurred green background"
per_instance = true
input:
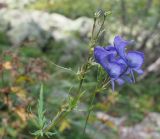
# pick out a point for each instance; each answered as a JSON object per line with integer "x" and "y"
{"x": 35, "y": 34}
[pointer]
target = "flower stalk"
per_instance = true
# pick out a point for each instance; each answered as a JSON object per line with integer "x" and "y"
{"x": 81, "y": 74}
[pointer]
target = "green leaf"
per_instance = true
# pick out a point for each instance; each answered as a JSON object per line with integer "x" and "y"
{"x": 41, "y": 117}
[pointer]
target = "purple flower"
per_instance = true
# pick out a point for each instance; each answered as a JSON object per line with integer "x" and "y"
{"x": 133, "y": 59}
{"x": 115, "y": 68}
{"x": 117, "y": 63}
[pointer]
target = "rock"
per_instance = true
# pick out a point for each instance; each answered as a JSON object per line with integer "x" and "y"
{"x": 147, "y": 129}
{"x": 39, "y": 26}
{"x": 16, "y": 3}
{"x": 116, "y": 121}
{"x": 154, "y": 67}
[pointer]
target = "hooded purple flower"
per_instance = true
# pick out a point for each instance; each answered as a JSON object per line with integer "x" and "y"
{"x": 117, "y": 63}
{"x": 115, "y": 68}
{"x": 133, "y": 59}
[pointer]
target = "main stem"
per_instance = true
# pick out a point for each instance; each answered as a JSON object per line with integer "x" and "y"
{"x": 84, "y": 70}
{"x": 63, "y": 111}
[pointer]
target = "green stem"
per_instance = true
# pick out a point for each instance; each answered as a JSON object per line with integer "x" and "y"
{"x": 65, "y": 112}
{"x": 104, "y": 17}
{"x": 85, "y": 68}
{"x": 105, "y": 83}
{"x": 94, "y": 25}
{"x": 54, "y": 121}
{"x": 90, "y": 106}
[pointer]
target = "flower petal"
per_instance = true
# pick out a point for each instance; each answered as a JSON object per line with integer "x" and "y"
{"x": 99, "y": 53}
{"x": 132, "y": 74}
{"x": 139, "y": 71}
{"x": 127, "y": 79}
{"x": 101, "y": 57}
{"x": 120, "y": 81}
{"x": 135, "y": 59}
{"x": 111, "y": 49}
{"x": 113, "y": 69}
{"x": 122, "y": 62}
{"x": 124, "y": 78}
{"x": 113, "y": 84}
{"x": 120, "y": 45}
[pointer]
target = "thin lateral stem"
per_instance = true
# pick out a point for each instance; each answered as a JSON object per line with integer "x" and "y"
{"x": 91, "y": 103}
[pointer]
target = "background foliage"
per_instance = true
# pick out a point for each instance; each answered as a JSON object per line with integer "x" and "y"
{"x": 21, "y": 79}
